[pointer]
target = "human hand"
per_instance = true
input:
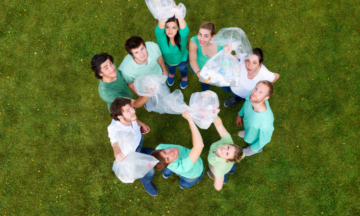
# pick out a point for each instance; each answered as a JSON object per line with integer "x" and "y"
{"x": 186, "y": 115}
{"x": 228, "y": 48}
{"x": 165, "y": 72}
{"x": 120, "y": 157}
{"x": 239, "y": 121}
{"x": 145, "y": 129}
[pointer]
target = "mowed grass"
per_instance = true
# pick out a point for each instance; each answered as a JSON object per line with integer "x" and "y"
{"x": 55, "y": 155}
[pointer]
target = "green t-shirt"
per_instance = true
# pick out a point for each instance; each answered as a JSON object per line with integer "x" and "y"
{"x": 118, "y": 88}
{"x": 183, "y": 165}
{"x": 201, "y": 59}
{"x": 258, "y": 126}
{"x": 220, "y": 165}
{"x": 172, "y": 55}
{"x": 131, "y": 70}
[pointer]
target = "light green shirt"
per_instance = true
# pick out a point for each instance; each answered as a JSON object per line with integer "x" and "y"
{"x": 183, "y": 165}
{"x": 201, "y": 59}
{"x": 118, "y": 88}
{"x": 131, "y": 70}
{"x": 220, "y": 165}
{"x": 172, "y": 55}
{"x": 258, "y": 126}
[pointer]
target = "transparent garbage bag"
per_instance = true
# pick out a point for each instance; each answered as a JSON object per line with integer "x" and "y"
{"x": 161, "y": 9}
{"x": 180, "y": 10}
{"x": 236, "y": 37}
{"x": 223, "y": 69}
{"x": 175, "y": 102}
{"x": 135, "y": 165}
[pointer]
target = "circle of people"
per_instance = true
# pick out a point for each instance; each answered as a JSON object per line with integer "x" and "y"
{"x": 211, "y": 59}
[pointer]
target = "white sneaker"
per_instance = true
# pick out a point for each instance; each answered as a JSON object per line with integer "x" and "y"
{"x": 241, "y": 134}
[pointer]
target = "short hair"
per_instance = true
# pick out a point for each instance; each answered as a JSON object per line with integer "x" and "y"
{"x": 162, "y": 163}
{"x": 259, "y": 53}
{"x": 208, "y": 26}
{"x": 133, "y": 43}
{"x": 97, "y": 61}
{"x": 268, "y": 84}
{"x": 238, "y": 155}
{"x": 116, "y": 107}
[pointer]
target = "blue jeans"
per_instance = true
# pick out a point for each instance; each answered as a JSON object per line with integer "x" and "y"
{"x": 150, "y": 175}
{"x": 184, "y": 182}
{"x": 232, "y": 170}
{"x": 182, "y": 67}
{"x": 204, "y": 86}
{"x": 228, "y": 89}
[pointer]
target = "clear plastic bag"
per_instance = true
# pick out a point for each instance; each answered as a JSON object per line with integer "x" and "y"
{"x": 135, "y": 165}
{"x": 180, "y": 10}
{"x": 161, "y": 9}
{"x": 223, "y": 69}
{"x": 175, "y": 102}
{"x": 236, "y": 37}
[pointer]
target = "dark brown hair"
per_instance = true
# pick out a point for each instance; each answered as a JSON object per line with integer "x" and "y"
{"x": 97, "y": 61}
{"x": 270, "y": 85}
{"x": 177, "y": 36}
{"x": 162, "y": 164}
{"x": 259, "y": 53}
{"x": 133, "y": 43}
{"x": 209, "y": 26}
{"x": 116, "y": 107}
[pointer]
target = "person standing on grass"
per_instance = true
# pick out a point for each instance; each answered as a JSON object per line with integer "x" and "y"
{"x": 257, "y": 118}
{"x": 143, "y": 59}
{"x": 172, "y": 36}
{"x": 222, "y": 156}
{"x": 125, "y": 121}
{"x": 252, "y": 71}
{"x": 186, "y": 163}
{"x": 111, "y": 82}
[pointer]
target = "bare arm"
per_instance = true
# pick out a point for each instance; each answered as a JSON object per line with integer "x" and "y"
{"x": 132, "y": 88}
{"x": 276, "y": 77}
{"x": 119, "y": 156}
{"x": 193, "y": 56}
{"x": 161, "y": 24}
{"x": 220, "y": 127}
{"x": 145, "y": 127}
{"x": 139, "y": 102}
{"x": 182, "y": 23}
{"x": 218, "y": 182}
{"x": 161, "y": 62}
{"x": 197, "y": 140}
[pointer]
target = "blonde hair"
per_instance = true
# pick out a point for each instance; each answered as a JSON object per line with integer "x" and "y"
{"x": 268, "y": 84}
{"x": 209, "y": 26}
{"x": 238, "y": 154}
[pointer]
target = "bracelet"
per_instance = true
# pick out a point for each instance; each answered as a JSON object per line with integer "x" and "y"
{"x": 197, "y": 72}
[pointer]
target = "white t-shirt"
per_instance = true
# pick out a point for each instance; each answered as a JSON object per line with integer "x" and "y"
{"x": 246, "y": 85}
{"x": 116, "y": 127}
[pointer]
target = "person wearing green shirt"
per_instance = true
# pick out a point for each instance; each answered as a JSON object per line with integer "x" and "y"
{"x": 222, "y": 156}
{"x": 186, "y": 163}
{"x": 143, "y": 59}
{"x": 172, "y": 41}
{"x": 257, "y": 118}
{"x": 201, "y": 50}
{"x": 111, "y": 82}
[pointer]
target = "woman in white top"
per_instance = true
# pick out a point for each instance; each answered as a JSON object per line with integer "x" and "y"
{"x": 252, "y": 71}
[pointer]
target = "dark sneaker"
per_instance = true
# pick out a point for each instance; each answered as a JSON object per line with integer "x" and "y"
{"x": 231, "y": 101}
{"x": 170, "y": 81}
{"x": 150, "y": 188}
{"x": 183, "y": 84}
{"x": 165, "y": 176}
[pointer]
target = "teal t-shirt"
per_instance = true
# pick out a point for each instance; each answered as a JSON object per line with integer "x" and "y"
{"x": 118, "y": 88}
{"x": 258, "y": 126}
{"x": 201, "y": 59}
{"x": 220, "y": 165}
{"x": 172, "y": 55}
{"x": 131, "y": 70}
{"x": 183, "y": 165}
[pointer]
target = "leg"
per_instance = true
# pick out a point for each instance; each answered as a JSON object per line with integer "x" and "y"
{"x": 186, "y": 183}
{"x": 146, "y": 181}
{"x": 167, "y": 173}
{"x": 171, "y": 77}
{"x": 138, "y": 149}
{"x": 233, "y": 100}
{"x": 248, "y": 152}
{"x": 184, "y": 70}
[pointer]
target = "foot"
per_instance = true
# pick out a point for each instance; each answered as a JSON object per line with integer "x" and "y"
{"x": 184, "y": 83}
{"x": 171, "y": 79}
{"x": 241, "y": 134}
{"x": 165, "y": 176}
{"x": 231, "y": 101}
{"x": 181, "y": 187}
{"x": 210, "y": 174}
{"x": 150, "y": 188}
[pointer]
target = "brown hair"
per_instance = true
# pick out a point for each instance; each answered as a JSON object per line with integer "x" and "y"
{"x": 209, "y": 26}
{"x": 238, "y": 155}
{"x": 116, "y": 107}
{"x": 259, "y": 53}
{"x": 162, "y": 164}
{"x": 133, "y": 43}
{"x": 268, "y": 84}
{"x": 177, "y": 37}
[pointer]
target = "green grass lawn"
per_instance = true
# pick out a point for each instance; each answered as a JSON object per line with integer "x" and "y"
{"x": 55, "y": 155}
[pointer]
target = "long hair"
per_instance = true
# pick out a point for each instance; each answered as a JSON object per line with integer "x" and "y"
{"x": 177, "y": 36}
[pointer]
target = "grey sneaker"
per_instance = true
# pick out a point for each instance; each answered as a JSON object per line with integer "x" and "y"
{"x": 231, "y": 101}
{"x": 210, "y": 174}
{"x": 241, "y": 134}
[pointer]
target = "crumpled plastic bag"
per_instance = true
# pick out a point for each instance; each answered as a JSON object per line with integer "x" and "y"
{"x": 161, "y": 9}
{"x": 223, "y": 69}
{"x": 236, "y": 37}
{"x": 180, "y": 10}
{"x": 135, "y": 165}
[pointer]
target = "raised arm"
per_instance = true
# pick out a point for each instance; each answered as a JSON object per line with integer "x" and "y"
{"x": 218, "y": 182}
{"x": 197, "y": 140}
{"x": 162, "y": 65}
{"x": 192, "y": 57}
{"x": 161, "y": 24}
{"x": 220, "y": 127}
{"x": 119, "y": 156}
{"x": 132, "y": 88}
{"x": 139, "y": 102}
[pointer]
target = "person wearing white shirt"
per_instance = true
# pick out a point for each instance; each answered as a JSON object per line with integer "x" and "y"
{"x": 125, "y": 121}
{"x": 252, "y": 71}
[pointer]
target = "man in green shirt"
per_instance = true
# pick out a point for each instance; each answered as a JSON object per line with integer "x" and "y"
{"x": 258, "y": 118}
{"x": 143, "y": 59}
{"x": 111, "y": 82}
{"x": 186, "y": 163}
{"x": 222, "y": 156}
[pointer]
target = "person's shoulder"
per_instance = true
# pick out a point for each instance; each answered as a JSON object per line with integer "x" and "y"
{"x": 112, "y": 125}
{"x": 126, "y": 61}
{"x": 150, "y": 44}
{"x": 195, "y": 39}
